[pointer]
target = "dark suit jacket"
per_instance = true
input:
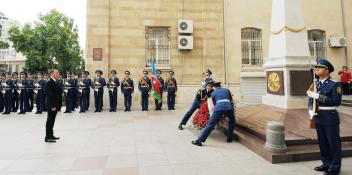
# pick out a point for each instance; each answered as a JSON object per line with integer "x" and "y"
{"x": 52, "y": 94}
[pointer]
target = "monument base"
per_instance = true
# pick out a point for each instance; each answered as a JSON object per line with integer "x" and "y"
{"x": 301, "y": 141}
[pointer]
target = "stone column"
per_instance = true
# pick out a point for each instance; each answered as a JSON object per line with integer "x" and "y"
{"x": 288, "y": 56}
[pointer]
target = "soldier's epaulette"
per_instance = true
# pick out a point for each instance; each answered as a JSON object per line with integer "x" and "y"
{"x": 334, "y": 81}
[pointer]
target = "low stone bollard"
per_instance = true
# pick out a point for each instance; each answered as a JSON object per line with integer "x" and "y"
{"x": 275, "y": 137}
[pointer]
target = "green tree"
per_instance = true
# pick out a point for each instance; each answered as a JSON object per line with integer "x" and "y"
{"x": 3, "y": 45}
{"x": 51, "y": 42}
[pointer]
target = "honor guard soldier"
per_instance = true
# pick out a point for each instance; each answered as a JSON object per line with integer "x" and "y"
{"x": 75, "y": 92}
{"x": 15, "y": 96}
{"x": 328, "y": 98}
{"x": 171, "y": 87}
{"x": 113, "y": 84}
{"x": 144, "y": 87}
{"x": 22, "y": 85}
{"x": 202, "y": 95}
{"x": 2, "y": 78}
{"x": 39, "y": 90}
{"x": 127, "y": 88}
{"x": 223, "y": 106}
{"x": 98, "y": 86}
{"x": 159, "y": 104}
{"x": 30, "y": 89}
{"x": 207, "y": 78}
{"x": 88, "y": 90}
{"x": 46, "y": 78}
{"x": 69, "y": 89}
{"x": 7, "y": 88}
{"x": 83, "y": 86}
{"x": 60, "y": 86}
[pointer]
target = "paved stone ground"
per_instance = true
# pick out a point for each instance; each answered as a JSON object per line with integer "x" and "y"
{"x": 145, "y": 143}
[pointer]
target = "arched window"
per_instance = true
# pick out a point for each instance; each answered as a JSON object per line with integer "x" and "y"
{"x": 251, "y": 46}
{"x": 316, "y": 41}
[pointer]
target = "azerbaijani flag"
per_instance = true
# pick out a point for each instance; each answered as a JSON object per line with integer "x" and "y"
{"x": 155, "y": 84}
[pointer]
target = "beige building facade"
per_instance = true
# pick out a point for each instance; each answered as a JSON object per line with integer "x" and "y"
{"x": 231, "y": 37}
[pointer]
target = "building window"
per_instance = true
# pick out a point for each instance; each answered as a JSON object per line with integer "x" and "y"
{"x": 157, "y": 46}
{"x": 252, "y": 46}
{"x": 316, "y": 41}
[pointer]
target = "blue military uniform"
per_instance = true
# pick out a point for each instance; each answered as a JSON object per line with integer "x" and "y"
{"x": 84, "y": 87}
{"x": 23, "y": 93}
{"x": 113, "y": 84}
{"x": 99, "y": 84}
{"x": 60, "y": 86}
{"x": 75, "y": 92}
{"x": 328, "y": 121}
{"x": 202, "y": 95}
{"x": 171, "y": 88}
{"x": 159, "y": 104}
{"x": 88, "y": 90}
{"x": 30, "y": 89}
{"x": 223, "y": 106}
{"x": 69, "y": 89}
{"x": 2, "y": 78}
{"x": 15, "y": 94}
{"x": 39, "y": 89}
{"x": 144, "y": 87}
{"x": 46, "y": 79}
{"x": 127, "y": 88}
{"x": 8, "y": 87}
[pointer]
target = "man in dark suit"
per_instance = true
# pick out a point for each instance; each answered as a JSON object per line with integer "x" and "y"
{"x": 127, "y": 88}
{"x": 52, "y": 104}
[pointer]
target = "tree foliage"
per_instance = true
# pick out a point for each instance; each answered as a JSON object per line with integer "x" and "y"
{"x": 51, "y": 42}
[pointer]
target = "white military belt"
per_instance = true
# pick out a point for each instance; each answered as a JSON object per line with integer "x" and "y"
{"x": 327, "y": 107}
{"x": 224, "y": 100}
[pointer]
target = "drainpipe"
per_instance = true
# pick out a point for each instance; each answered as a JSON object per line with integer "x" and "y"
{"x": 225, "y": 40}
{"x": 344, "y": 30}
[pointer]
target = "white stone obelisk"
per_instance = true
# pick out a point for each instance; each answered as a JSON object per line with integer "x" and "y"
{"x": 288, "y": 51}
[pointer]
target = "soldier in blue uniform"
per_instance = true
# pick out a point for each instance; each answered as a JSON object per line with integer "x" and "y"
{"x": 30, "y": 89}
{"x": 98, "y": 85}
{"x": 159, "y": 104}
{"x": 127, "y": 88}
{"x": 69, "y": 89}
{"x": 223, "y": 106}
{"x": 202, "y": 95}
{"x": 15, "y": 94}
{"x": 113, "y": 84}
{"x": 328, "y": 98}
{"x": 8, "y": 86}
{"x": 171, "y": 87}
{"x": 60, "y": 86}
{"x": 84, "y": 86}
{"x": 46, "y": 79}
{"x": 23, "y": 92}
{"x": 144, "y": 87}
{"x": 39, "y": 90}
{"x": 75, "y": 92}
{"x": 207, "y": 78}
{"x": 88, "y": 90}
{"x": 2, "y": 78}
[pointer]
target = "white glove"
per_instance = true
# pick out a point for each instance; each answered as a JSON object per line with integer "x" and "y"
{"x": 311, "y": 113}
{"x": 203, "y": 83}
{"x": 313, "y": 95}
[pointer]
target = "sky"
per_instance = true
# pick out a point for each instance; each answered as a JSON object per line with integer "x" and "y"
{"x": 28, "y": 10}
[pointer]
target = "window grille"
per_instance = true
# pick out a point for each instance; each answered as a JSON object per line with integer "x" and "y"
{"x": 157, "y": 46}
{"x": 252, "y": 46}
